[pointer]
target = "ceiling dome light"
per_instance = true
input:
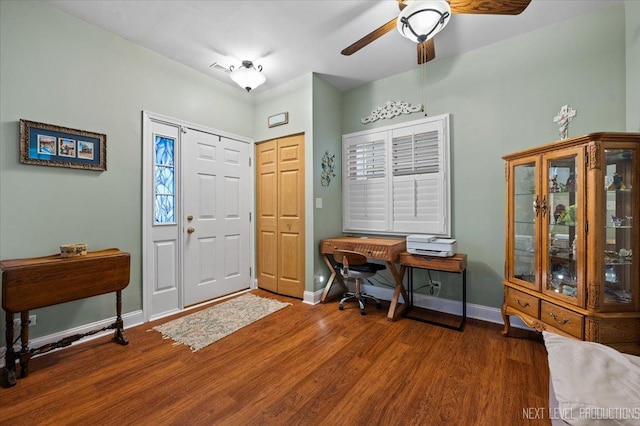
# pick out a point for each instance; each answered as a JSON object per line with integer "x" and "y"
{"x": 247, "y": 76}
{"x": 421, "y": 20}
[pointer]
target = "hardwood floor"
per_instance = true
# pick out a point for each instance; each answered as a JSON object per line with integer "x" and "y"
{"x": 303, "y": 365}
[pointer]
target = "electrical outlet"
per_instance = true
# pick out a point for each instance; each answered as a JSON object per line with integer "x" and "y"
{"x": 435, "y": 288}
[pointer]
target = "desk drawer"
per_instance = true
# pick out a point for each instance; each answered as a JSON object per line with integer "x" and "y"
{"x": 568, "y": 321}
{"x": 523, "y": 302}
{"x": 370, "y": 250}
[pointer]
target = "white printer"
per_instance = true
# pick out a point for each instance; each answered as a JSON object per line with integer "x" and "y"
{"x": 429, "y": 245}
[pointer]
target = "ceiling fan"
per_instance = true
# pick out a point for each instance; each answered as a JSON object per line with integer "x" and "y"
{"x": 421, "y": 20}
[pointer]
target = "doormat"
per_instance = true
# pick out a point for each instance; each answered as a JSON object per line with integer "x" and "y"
{"x": 205, "y": 327}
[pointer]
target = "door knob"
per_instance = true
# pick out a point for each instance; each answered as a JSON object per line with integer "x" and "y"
{"x": 190, "y": 217}
{"x": 191, "y": 230}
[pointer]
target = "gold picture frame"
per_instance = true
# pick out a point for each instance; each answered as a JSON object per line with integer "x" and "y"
{"x": 49, "y": 145}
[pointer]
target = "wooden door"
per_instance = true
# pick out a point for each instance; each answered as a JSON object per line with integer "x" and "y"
{"x": 280, "y": 223}
{"x": 291, "y": 216}
{"x": 266, "y": 214}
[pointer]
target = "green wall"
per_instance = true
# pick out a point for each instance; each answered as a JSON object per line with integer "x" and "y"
{"x": 502, "y": 98}
{"x": 632, "y": 15}
{"x": 327, "y": 137}
{"x": 60, "y": 70}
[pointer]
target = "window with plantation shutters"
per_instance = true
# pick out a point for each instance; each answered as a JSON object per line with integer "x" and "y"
{"x": 396, "y": 179}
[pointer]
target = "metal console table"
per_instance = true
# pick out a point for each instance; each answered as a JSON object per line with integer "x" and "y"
{"x": 456, "y": 264}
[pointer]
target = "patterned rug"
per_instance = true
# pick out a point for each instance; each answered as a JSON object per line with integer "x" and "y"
{"x": 205, "y": 327}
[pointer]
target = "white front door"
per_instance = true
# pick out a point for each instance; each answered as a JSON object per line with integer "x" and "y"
{"x": 216, "y": 216}
{"x": 199, "y": 178}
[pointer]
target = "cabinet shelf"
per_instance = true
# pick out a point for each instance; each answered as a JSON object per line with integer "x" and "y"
{"x": 561, "y": 192}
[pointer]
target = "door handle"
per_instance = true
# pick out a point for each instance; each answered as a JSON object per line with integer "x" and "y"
{"x": 190, "y": 217}
{"x": 191, "y": 230}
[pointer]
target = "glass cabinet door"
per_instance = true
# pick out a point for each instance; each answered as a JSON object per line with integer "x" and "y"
{"x": 525, "y": 210}
{"x": 563, "y": 225}
{"x": 620, "y": 227}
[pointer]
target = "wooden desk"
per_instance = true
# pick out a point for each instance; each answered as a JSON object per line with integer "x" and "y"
{"x": 456, "y": 263}
{"x": 386, "y": 249}
{"x": 44, "y": 281}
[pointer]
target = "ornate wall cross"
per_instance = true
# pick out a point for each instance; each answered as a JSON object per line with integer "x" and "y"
{"x": 564, "y": 117}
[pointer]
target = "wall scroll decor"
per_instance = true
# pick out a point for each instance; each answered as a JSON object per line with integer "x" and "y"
{"x": 278, "y": 119}
{"x": 391, "y": 109}
{"x": 49, "y": 145}
{"x": 328, "y": 167}
{"x": 564, "y": 117}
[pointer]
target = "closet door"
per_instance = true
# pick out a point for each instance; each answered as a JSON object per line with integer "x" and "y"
{"x": 291, "y": 216}
{"x": 280, "y": 215}
{"x": 266, "y": 213}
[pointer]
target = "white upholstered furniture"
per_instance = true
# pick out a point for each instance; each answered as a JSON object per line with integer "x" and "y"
{"x": 591, "y": 384}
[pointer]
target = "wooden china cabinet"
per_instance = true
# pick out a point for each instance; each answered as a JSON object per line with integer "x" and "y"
{"x": 573, "y": 239}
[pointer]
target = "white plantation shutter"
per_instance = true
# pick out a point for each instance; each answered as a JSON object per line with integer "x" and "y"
{"x": 414, "y": 154}
{"x": 395, "y": 179}
{"x": 366, "y": 183}
{"x": 419, "y": 185}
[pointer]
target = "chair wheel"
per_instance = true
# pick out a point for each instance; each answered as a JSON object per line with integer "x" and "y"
{"x": 363, "y": 312}
{"x": 341, "y": 307}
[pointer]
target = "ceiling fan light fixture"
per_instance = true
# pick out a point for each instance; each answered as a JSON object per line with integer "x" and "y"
{"x": 247, "y": 76}
{"x": 421, "y": 20}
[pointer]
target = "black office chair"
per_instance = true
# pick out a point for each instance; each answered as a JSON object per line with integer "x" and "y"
{"x": 354, "y": 265}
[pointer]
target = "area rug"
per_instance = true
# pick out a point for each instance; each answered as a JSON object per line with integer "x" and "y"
{"x": 205, "y": 327}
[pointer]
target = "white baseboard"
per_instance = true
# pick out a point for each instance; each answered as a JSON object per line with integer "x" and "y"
{"x": 312, "y": 298}
{"x": 454, "y": 307}
{"x": 130, "y": 320}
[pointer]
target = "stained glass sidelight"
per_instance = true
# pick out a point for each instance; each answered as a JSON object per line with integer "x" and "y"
{"x": 164, "y": 180}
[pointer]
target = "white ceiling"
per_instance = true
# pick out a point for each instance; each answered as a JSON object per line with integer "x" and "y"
{"x": 292, "y": 38}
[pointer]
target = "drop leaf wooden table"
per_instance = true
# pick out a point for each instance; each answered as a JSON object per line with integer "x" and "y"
{"x": 39, "y": 282}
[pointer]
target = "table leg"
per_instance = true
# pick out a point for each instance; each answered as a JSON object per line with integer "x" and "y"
{"x": 9, "y": 370}
{"x": 410, "y": 287}
{"x": 119, "y": 324}
{"x": 396, "y": 308}
{"x": 334, "y": 276}
{"x": 25, "y": 353}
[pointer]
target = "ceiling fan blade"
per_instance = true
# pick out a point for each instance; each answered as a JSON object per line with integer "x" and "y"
{"x": 372, "y": 36}
{"x": 490, "y": 7}
{"x": 426, "y": 51}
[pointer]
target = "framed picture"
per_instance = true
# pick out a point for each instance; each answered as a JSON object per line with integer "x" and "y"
{"x": 49, "y": 145}
{"x": 278, "y": 119}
